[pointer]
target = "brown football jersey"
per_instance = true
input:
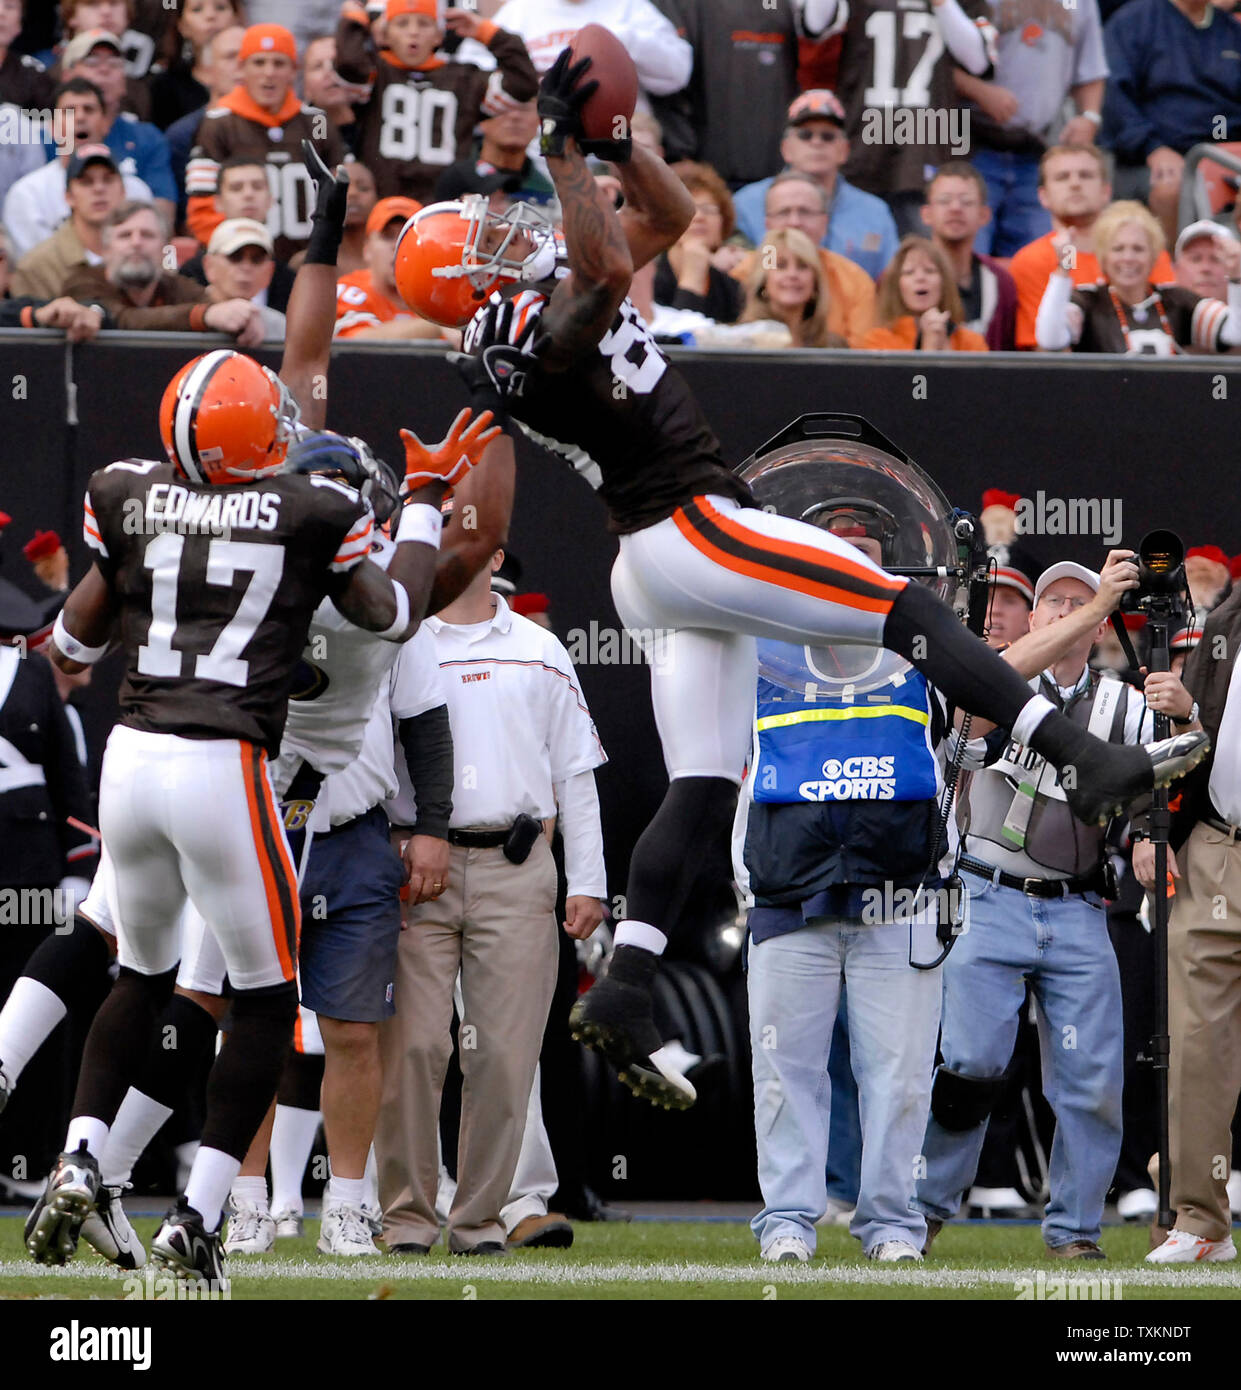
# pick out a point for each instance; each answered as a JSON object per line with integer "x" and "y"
{"x": 418, "y": 121}
{"x": 215, "y": 588}
{"x": 237, "y": 126}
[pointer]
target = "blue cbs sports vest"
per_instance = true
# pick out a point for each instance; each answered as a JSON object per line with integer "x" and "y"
{"x": 872, "y": 747}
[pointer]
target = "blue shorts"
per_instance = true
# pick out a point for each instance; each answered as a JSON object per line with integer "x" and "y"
{"x": 351, "y": 921}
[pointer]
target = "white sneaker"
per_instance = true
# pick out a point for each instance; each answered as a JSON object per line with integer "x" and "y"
{"x": 107, "y": 1230}
{"x": 1234, "y": 1192}
{"x": 251, "y": 1231}
{"x": 786, "y": 1250}
{"x": 892, "y": 1250}
{"x": 838, "y": 1213}
{"x": 1139, "y": 1205}
{"x": 374, "y": 1217}
{"x": 990, "y": 1200}
{"x": 1183, "y": 1248}
{"x": 345, "y": 1231}
{"x": 289, "y": 1225}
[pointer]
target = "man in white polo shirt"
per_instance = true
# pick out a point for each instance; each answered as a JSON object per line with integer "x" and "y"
{"x": 524, "y": 748}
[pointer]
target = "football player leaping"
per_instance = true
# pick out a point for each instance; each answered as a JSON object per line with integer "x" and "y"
{"x": 696, "y": 554}
{"x": 213, "y": 596}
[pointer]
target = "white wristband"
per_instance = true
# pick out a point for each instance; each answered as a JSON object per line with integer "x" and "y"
{"x": 1094, "y": 117}
{"x": 420, "y": 522}
{"x": 71, "y": 647}
{"x": 397, "y": 630}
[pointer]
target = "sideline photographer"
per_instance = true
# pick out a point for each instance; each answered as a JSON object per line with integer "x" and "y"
{"x": 1204, "y": 948}
{"x": 1036, "y": 877}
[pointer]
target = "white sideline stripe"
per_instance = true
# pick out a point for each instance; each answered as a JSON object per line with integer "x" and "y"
{"x": 514, "y": 1271}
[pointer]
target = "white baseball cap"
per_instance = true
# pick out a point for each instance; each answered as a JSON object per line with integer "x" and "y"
{"x": 237, "y": 232}
{"x": 1065, "y": 569}
{"x": 1203, "y": 227}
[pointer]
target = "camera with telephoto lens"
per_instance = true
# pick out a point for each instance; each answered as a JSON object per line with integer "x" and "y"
{"x": 1161, "y": 576}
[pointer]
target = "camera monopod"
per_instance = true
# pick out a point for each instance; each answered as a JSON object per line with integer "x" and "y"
{"x": 1161, "y": 585}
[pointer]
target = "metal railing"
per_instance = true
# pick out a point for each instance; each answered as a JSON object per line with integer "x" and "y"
{"x": 1192, "y": 194}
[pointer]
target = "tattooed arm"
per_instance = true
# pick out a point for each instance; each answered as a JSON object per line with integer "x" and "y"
{"x": 585, "y": 302}
{"x": 658, "y": 206}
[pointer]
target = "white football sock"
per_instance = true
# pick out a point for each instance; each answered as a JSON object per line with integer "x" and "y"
{"x": 641, "y": 934}
{"x": 210, "y": 1178}
{"x": 137, "y": 1122}
{"x": 26, "y": 1022}
{"x": 250, "y": 1192}
{"x": 1032, "y": 714}
{"x": 95, "y": 1132}
{"x": 350, "y": 1191}
{"x": 292, "y": 1138}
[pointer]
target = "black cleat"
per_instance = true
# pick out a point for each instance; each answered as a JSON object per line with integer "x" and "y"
{"x": 1110, "y": 775}
{"x": 53, "y": 1226}
{"x": 187, "y": 1250}
{"x": 614, "y": 1019}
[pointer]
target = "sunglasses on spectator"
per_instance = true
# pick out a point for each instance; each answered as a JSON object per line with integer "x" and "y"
{"x": 825, "y": 137}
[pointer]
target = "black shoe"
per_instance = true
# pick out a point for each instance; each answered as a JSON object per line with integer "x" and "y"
{"x": 589, "y": 1206}
{"x": 1076, "y": 1250}
{"x": 187, "y": 1250}
{"x": 409, "y": 1247}
{"x": 484, "y": 1247}
{"x": 933, "y": 1228}
{"x": 614, "y": 1018}
{"x": 1108, "y": 776}
{"x": 53, "y": 1226}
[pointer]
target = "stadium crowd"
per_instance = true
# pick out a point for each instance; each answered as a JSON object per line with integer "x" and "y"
{"x": 152, "y": 179}
{"x": 1041, "y": 177}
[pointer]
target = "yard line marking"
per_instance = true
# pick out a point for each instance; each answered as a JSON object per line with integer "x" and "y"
{"x": 514, "y": 1271}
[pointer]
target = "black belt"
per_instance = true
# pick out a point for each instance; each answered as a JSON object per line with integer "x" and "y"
{"x": 479, "y": 839}
{"x": 1036, "y": 887}
{"x": 1232, "y": 831}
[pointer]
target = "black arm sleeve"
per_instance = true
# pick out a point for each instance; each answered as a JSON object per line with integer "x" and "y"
{"x": 427, "y": 741}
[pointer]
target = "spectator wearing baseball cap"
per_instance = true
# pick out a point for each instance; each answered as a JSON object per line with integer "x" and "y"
{"x": 263, "y": 118}
{"x": 239, "y": 264}
{"x": 78, "y": 17}
{"x": 500, "y": 162}
{"x": 136, "y": 145}
{"x": 93, "y": 187}
{"x": 1126, "y": 311}
{"x": 1011, "y": 598}
{"x": 1207, "y": 256}
{"x": 1208, "y": 572}
{"x": 859, "y": 225}
{"x": 368, "y": 303}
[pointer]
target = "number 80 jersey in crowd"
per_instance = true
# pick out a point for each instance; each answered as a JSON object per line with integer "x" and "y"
{"x": 215, "y": 588}
{"x": 623, "y": 416}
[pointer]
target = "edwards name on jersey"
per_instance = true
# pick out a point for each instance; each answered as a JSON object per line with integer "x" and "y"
{"x": 215, "y": 588}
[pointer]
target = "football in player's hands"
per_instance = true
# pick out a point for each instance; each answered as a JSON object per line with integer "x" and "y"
{"x": 562, "y": 94}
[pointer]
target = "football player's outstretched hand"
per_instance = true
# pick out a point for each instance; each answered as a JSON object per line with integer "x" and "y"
{"x": 453, "y": 457}
{"x": 331, "y": 190}
{"x": 502, "y": 346}
{"x": 562, "y": 93}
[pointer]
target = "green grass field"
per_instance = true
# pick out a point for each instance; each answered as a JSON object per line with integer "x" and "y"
{"x": 650, "y": 1260}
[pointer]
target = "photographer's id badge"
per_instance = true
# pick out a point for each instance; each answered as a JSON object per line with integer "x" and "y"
{"x": 1017, "y": 822}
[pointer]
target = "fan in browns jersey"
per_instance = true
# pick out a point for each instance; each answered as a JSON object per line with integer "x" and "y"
{"x": 1125, "y": 312}
{"x": 423, "y": 108}
{"x": 263, "y": 117}
{"x": 210, "y": 566}
{"x": 901, "y": 105}
{"x": 581, "y": 373}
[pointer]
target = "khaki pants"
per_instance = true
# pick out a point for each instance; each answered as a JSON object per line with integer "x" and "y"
{"x": 496, "y": 924}
{"x": 1204, "y": 1018}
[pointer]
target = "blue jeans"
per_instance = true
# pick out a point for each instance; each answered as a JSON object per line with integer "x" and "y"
{"x": 794, "y": 984}
{"x": 1017, "y": 216}
{"x": 844, "y": 1141}
{"x": 1062, "y": 946}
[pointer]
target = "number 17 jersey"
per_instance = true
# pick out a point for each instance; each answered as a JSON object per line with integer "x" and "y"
{"x": 215, "y": 588}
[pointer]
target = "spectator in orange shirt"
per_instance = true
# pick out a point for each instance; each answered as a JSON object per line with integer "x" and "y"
{"x": 1074, "y": 188}
{"x": 368, "y": 304}
{"x": 919, "y": 306}
{"x": 794, "y": 201}
{"x": 793, "y": 291}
